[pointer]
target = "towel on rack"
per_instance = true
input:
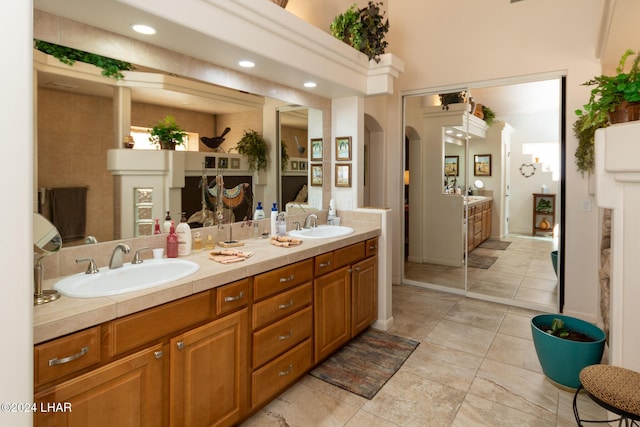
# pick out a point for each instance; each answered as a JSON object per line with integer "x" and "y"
{"x": 69, "y": 212}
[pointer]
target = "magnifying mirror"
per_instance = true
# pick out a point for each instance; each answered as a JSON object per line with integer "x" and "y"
{"x": 478, "y": 184}
{"x": 46, "y": 241}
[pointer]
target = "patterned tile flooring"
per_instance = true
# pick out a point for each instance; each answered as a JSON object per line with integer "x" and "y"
{"x": 522, "y": 275}
{"x": 475, "y": 366}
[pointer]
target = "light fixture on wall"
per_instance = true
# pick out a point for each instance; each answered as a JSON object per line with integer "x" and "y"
{"x": 406, "y": 177}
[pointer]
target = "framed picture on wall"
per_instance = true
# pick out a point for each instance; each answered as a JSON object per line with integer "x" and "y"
{"x": 451, "y": 165}
{"x": 235, "y": 163}
{"x": 482, "y": 165}
{"x": 343, "y": 148}
{"x": 343, "y": 175}
{"x": 223, "y": 162}
{"x": 316, "y": 149}
{"x": 294, "y": 165}
{"x": 302, "y": 165}
{"x": 316, "y": 175}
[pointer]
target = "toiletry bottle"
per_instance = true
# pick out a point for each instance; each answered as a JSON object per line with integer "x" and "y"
{"x": 259, "y": 213}
{"x": 209, "y": 244}
{"x": 197, "y": 242}
{"x": 167, "y": 223}
{"x": 331, "y": 216}
{"x": 172, "y": 242}
{"x": 274, "y": 218}
{"x": 156, "y": 226}
{"x": 184, "y": 236}
{"x": 281, "y": 224}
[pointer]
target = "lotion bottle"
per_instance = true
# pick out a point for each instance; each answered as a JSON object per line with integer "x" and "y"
{"x": 259, "y": 213}
{"x": 172, "y": 242}
{"x": 274, "y": 218}
{"x": 331, "y": 215}
{"x": 184, "y": 237}
{"x": 167, "y": 223}
{"x": 156, "y": 226}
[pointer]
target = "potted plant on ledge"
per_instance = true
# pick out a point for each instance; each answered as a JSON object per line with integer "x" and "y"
{"x": 614, "y": 99}
{"x": 167, "y": 133}
{"x": 363, "y": 29}
{"x": 254, "y": 147}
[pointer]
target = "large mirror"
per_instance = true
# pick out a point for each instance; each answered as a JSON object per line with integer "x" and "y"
{"x": 472, "y": 180}
{"x": 77, "y": 114}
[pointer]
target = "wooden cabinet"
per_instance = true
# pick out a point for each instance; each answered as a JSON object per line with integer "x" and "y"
{"x": 332, "y": 312}
{"x": 209, "y": 373}
{"x": 478, "y": 224}
{"x": 544, "y": 213}
{"x": 128, "y": 392}
{"x": 364, "y": 296}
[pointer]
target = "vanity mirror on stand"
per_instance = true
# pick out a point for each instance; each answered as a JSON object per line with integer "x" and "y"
{"x": 46, "y": 241}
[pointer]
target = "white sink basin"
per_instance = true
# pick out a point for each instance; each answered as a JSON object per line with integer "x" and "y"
{"x": 322, "y": 232}
{"x": 128, "y": 278}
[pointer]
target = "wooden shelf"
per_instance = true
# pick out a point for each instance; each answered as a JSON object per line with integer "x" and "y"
{"x": 549, "y": 213}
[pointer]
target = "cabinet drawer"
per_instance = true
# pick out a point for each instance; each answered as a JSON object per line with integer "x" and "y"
{"x": 281, "y": 305}
{"x": 277, "y": 280}
{"x": 272, "y": 378}
{"x": 371, "y": 247}
{"x": 63, "y": 356}
{"x": 348, "y": 255}
{"x": 477, "y": 227}
{"x": 232, "y": 296}
{"x": 142, "y": 328}
{"x": 324, "y": 263}
{"x": 281, "y": 336}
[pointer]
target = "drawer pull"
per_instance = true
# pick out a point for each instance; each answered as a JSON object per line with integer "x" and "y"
{"x": 287, "y": 372}
{"x": 56, "y": 361}
{"x": 286, "y": 337}
{"x": 373, "y": 247}
{"x": 158, "y": 354}
{"x": 180, "y": 345}
{"x": 324, "y": 264}
{"x": 287, "y": 305}
{"x": 356, "y": 268}
{"x": 236, "y": 298}
{"x": 287, "y": 279}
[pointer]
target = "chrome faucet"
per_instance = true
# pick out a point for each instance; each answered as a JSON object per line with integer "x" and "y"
{"x": 116, "y": 256}
{"x": 311, "y": 218}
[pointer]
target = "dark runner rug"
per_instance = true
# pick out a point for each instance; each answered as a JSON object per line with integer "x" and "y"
{"x": 480, "y": 261}
{"x": 495, "y": 244}
{"x": 365, "y": 364}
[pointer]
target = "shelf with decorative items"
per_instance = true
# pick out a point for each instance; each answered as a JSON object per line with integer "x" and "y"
{"x": 544, "y": 213}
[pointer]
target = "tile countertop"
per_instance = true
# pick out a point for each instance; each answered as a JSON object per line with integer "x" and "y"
{"x": 67, "y": 315}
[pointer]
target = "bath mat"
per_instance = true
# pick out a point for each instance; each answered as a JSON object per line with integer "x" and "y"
{"x": 365, "y": 364}
{"x": 500, "y": 245}
{"x": 480, "y": 261}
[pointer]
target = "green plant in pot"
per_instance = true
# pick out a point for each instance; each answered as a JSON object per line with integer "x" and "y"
{"x": 284, "y": 156}
{"x": 614, "y": 99}
{"x": 363, "y": 29}
{"x": 167, "y": 133}
{"x": 254, "y": 147}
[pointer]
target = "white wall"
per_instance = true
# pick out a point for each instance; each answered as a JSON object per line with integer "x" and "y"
{"x": 16, "y": 304}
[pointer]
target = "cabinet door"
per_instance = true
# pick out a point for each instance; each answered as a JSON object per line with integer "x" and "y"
{"x": 209, "y": 373}
{"x": 127, "y": 392}
{"x": 332, "y": 312}
{"x": 364, "y": 295}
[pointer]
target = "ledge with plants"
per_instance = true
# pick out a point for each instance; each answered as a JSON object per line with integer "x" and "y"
{"x": 364, "y": 29}
{"x": 614, "y": 99}
{"x": 167, "y": 133}
{"x": 254, "y": 147}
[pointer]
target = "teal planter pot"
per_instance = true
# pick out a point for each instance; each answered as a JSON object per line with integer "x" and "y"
{"x": 554, "y": 261}
{"x": 562, "y": 359}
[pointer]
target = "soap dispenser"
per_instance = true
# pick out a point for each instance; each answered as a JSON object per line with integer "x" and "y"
{"x": 184, "y": 236}
{"x": 331, "y": 216}
{"x": 172, "y": 242}
{"x": 259, "y": 213}
{"x": 274, "y": 218}
{"x": 167, "y": 223}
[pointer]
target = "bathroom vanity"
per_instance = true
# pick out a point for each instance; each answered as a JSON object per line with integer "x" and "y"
{"x": 210, "y": 349}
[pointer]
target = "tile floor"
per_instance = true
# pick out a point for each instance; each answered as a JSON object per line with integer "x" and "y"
{"x": 475, "y": 366}
{"x": 522, "y": 275}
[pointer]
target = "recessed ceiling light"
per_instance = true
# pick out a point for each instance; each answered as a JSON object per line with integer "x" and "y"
{"x": 310, "y": 84}
{"x": 246, "y": 64}
{"x": 143, "y": 29}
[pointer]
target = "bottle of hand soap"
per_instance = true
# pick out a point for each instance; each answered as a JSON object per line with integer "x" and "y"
{"x": 167, "y": 223}
{"x": 259, "y": 213}
{"x": 184, "y": 236}
{"x": 172, "y": 242}
{"x": 274, "y": 217}
{"x": 331, "y": 215}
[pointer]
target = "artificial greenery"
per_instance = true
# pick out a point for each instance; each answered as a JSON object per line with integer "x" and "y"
{"x": 167, "y": 133}
{"x": 452, "y": 98}
{"x": 488, "y": 115}
{"x": 608, "y": 93}
{"x": 557, "y": 329}
{"x": 284, "y": 156}
{"x": 253, "y": 145}
{"x": 110, "y": 67}
{"x": 363, "y": 29}
{"x": 544, "y": 205}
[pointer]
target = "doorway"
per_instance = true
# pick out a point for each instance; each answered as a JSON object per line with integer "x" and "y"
{"x": 512, "y": 265}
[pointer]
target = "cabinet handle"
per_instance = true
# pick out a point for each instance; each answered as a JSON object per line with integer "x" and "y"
{"x": 286, "y": 279}
{"x": 287, "y": 372}
{"x": 324, "y": 264}
{"x": 180, "y": 345}
{"x": 158, "y": 354}
{"x": 56, "y": 361}
{"x": 286, "y": 337}
{"x": 349, "y": 270}
{"x": 373, "y": 247}
{"x": 356, "y": 268}
{"x": 236, "y": 298}
{"x": 287, "y": 305}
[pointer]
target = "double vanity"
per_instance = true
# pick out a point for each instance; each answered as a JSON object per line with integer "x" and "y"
{"x": 210, "y": 348}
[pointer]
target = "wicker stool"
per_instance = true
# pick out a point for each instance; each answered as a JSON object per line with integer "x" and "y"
{"x": 614, "y": 388}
